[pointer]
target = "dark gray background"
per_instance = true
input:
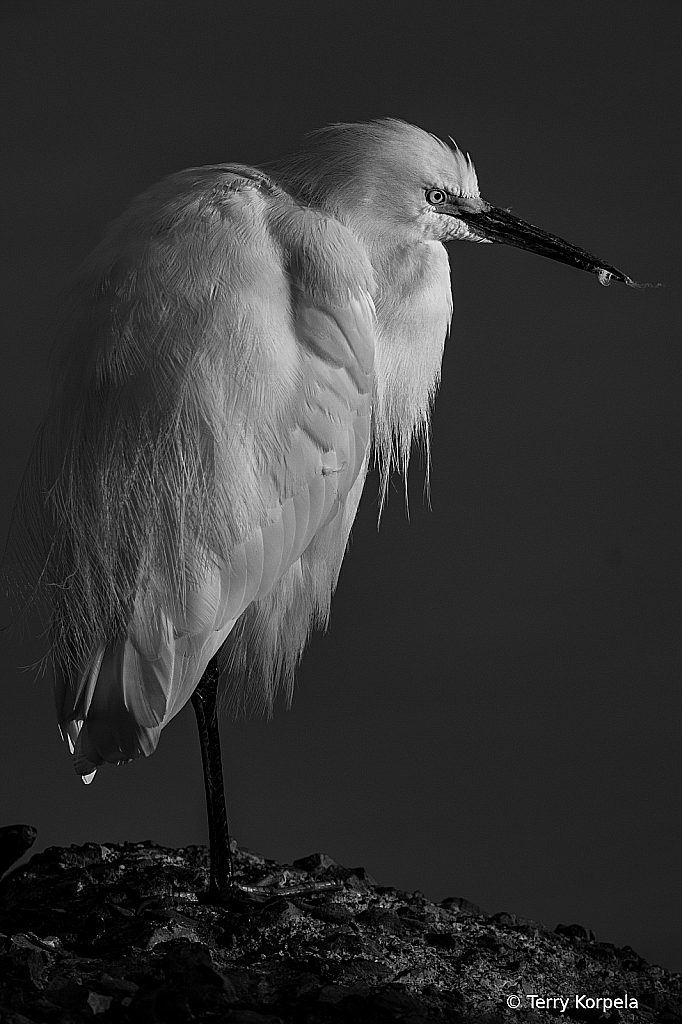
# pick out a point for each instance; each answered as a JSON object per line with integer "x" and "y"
{"x": 495, "y": 710}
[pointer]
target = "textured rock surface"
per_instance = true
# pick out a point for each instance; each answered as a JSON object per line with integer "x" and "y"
{"x": 117, "y": 933}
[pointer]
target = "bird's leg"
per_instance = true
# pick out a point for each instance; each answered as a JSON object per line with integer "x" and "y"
{"x": 204, "y": 704}
{"x": 222, "y": 887}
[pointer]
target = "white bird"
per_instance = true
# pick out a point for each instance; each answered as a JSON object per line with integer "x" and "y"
{"x": 229, "y": 356}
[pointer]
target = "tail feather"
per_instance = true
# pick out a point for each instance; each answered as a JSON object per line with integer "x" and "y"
{"x": 122, "y": 721}
{"x": 115, "y": 711}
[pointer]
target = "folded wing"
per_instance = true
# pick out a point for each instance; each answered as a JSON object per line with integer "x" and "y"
{"x": 205, "y": 447}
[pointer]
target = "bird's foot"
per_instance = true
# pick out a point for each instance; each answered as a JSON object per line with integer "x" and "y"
{"x": 247, "y": 899}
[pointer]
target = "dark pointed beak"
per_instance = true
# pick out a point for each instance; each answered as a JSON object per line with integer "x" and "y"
{"x": 501, "y": 226}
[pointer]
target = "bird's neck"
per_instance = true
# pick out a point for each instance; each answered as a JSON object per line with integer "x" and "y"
{"x": 414, "y": 306}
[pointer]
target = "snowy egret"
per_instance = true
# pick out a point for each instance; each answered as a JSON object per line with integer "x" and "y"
{"x": 228, "y": 356}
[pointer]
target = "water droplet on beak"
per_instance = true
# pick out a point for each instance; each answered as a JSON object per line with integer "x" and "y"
{"x": 604, "y": 278}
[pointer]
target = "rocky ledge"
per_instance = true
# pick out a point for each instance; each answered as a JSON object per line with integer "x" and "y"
{"x": 118, "y": 933}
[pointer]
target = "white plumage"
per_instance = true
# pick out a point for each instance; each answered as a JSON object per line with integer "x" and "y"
{"x": 226, "y": 358}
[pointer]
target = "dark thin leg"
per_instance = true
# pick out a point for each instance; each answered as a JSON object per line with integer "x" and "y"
{"x": 204, "y": 704}
{"x": 222, "y": 887}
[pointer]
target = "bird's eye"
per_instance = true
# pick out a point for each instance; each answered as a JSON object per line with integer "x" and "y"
{"x": 436, "y": 196}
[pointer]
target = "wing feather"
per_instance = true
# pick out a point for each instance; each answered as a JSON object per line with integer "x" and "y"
{"x": 233, "y": 578}
{"x": 289, "y": 535}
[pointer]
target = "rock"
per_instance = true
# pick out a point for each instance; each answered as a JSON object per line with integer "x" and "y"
{"x": 462, "y": 905}
{"x": 576, "y": 931}
{"x": 15, "y": 840}
{"x": 118, "y": 933}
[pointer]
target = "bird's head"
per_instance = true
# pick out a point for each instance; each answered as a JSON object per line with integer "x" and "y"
{"x": 384, "y": 179}
{"x": 395, "y": 184}
{"x": 401, "y": 181}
